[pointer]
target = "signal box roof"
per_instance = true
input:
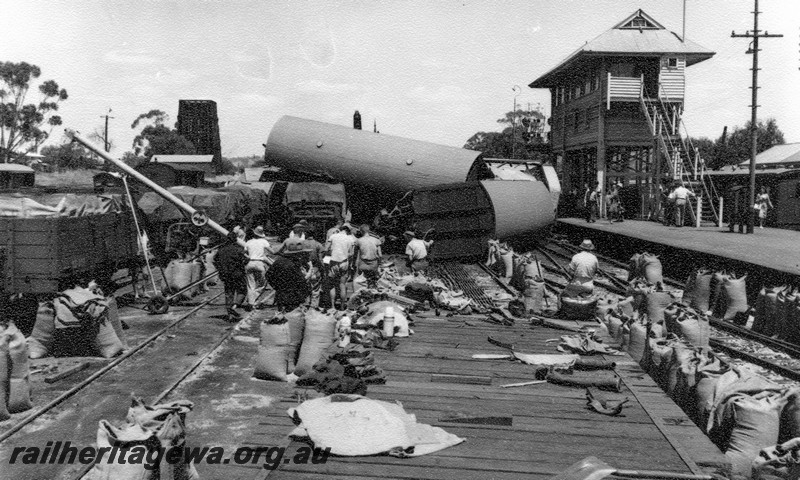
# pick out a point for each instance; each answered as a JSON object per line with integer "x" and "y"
{"x": 639, "y": 35}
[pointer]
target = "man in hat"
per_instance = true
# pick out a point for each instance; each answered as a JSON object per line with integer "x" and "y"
{"x": 368, "y": 255}
{"x": 289, "y": 276}
{"x": 417, "y": 252}
{"x": 258, "y": 249}
{"x": 340, "y": 249}
{"x": 230, "y": 262}
{"x": 299, "y": 230}
{"x": 583, "y": 268}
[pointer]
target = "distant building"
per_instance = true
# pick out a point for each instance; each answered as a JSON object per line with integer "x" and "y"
{"x": 13, "y": 175}
{"x": 198, "y": 123}
{"x": 173, "y": 170}
{"x": 616, "y": 106}
{"x": 778, "y": 169}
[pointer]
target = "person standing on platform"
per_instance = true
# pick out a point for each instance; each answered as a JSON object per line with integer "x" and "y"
{"x": 368, "y": 256}
{"x": 680, "y": 195}
{"x": 588, "y": 203}
{"x": 257, "y": 250}
{"x": 763, "y": 203}
{"x": 289, "y": 276}
{"x": 340, "y": 247}
{"x": 230, "y": 262}
{"x": 583, "y": 267}
{"x": 417, "y": 252}
{"x": 316, "y": 253}
{"x": 736, "y": 213}
{"x": 614, "y": 205}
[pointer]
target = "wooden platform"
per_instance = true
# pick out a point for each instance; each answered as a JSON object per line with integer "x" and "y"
{"x": 536, "y": 431}
{"x": 772, "y": 249}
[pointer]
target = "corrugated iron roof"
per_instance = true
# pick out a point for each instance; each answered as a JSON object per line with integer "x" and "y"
{"x": 15, "y": 167}
{"x": 630, "y": 42}
{"x": 183, "y": 158}
{"x": 785, "y": 154}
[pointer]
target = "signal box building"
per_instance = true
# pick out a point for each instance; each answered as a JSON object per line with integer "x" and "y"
{"x": 616, "y": 106}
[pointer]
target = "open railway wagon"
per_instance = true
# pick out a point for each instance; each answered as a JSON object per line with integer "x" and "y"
{"x": 44, "y": 247}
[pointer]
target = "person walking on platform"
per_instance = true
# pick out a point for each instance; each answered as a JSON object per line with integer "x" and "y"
{"x": 257, "y": 250}
{"x": 289, "y": 276}
{"x": 316, "y": 254}
{"x": 736, "y": 210}
{"x": 680, "y": 195}
{"x": 340, "y": 247}
{"x": 583, "y": 267}
{"x": 368, "y": 256}
{"x": 762, "y": 203}
{"x": 230, "y": 262}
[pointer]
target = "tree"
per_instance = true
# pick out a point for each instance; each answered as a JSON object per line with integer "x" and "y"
{"x": 68, "y": 155}
{"x": 521, "y": 137}
{"x": 736, "y": 147}
{"x": 23, "y": 126}
{"x": 157, "y": 138}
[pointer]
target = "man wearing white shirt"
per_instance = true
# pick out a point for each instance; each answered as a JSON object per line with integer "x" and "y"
{"x": 257, "y": 250}
{"x": 340, "y": 247}
{"x": 680, "y": 195}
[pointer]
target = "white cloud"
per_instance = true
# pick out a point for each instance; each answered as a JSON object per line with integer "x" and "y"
{"x": 318, "y": 86}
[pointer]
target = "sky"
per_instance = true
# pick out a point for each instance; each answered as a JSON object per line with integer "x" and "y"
{"x": 437, "y": 71}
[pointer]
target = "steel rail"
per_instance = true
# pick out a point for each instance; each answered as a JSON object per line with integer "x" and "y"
{"x": 110, "y": 366}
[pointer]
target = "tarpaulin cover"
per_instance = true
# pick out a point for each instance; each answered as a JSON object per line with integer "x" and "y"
{"x": 315, "y": 192}
{"x": 59, "y": 205}
{"x": 352, "y": 425}
{"x": 250, "y": 204}
{"x": 218, "y": 205}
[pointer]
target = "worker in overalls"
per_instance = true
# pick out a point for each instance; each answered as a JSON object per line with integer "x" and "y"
{"x": 583, "y": 267}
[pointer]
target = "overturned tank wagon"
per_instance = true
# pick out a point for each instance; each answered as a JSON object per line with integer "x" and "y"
{"x": 462, "y": 196}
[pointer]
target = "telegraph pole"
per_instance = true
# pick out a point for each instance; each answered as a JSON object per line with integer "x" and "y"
{"x": 105, "y": 135}
{"x": 755, "y": 34}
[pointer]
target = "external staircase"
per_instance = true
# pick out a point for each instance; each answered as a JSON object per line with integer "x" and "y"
{"x": 682, "y": 158}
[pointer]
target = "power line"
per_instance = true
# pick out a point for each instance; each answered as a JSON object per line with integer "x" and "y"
{"x": 755, "y": 34}
{"x": 105, "y": 135}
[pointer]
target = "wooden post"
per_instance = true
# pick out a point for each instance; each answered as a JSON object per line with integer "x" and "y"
{"x": 721, "y": 204}
{"x": 699, "y": 210}
{"x": 601, "y": 138}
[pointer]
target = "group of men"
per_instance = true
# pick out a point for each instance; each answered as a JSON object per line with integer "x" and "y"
{"x": 301, "y": 269}
{"x": 591, "y": 202}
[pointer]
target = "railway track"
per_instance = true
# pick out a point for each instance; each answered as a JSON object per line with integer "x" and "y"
{"x": 165, "y": 350}
{"x": 778, "y": 359}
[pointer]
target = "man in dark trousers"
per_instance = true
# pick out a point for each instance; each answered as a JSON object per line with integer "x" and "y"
{"x": 230, "y": 262}
{"x": 289, "y": 276}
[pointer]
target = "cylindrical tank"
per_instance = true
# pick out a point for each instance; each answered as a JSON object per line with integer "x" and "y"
{"x": 366, "y": 158}
{"x": 520, "y": 207}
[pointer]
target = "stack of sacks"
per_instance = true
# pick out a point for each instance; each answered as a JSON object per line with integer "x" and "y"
{"x": 687, "y": 323}
{"x": 78, "y": 322}
{"x": 293, "y": 343}
{"x": 647, "y": 266}
{"x": 636, "y": 332}
{"x": 613, "y": 321}
{"x": 15, "y": 389}
{"x": 656, "y": 301}
{"x": 529, "y": 280}
{"x": 717, "y": 284}
{"x": 769, "y": 310}
{"x": 791, "y": 318}
{"x": 698, "y": 290}
{"x": 180, "y": 274}
{"x": 148, "y": 429}
{"x": 743, "y": 413}
{"x": 613, "y": 303}
{"x": 638, "y": 288}
{"x": 733, "y": 298}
